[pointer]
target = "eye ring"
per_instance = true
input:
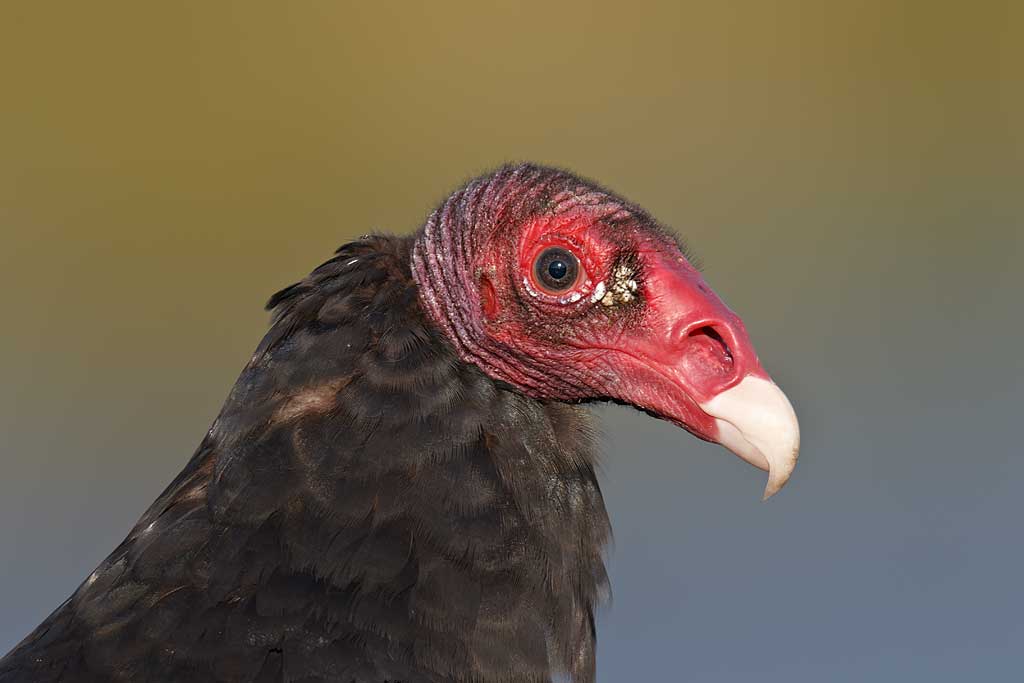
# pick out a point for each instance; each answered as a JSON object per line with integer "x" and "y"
{"x": 556, "y": 269}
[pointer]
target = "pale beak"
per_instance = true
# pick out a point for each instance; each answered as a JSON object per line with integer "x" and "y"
{"x": 756, "y": 422}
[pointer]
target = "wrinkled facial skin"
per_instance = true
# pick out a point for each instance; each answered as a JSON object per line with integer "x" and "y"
{"x": 638, "y": 317}
{"x": 637, "y": 324}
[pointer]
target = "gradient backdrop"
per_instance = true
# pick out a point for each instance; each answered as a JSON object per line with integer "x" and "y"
{"x": 851, "y": 174}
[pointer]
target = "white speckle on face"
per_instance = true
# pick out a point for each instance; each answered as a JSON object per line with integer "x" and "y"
{"x": 573, "y": 298}
{"x": 622, "y": 290}
{"x": 529, "y": 288}
{"x": 598, "y": 292}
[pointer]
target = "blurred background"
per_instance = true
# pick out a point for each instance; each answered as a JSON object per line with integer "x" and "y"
{"x": 850, "y": 174}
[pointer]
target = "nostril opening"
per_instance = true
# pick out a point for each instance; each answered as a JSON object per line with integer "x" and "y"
{"x": 713, "y": 338}
{"x": 706, "y": 359}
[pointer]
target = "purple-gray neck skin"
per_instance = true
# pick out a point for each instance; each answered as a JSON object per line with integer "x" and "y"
{"x": 445, "y": 264}
{"x": 451, "y": 269}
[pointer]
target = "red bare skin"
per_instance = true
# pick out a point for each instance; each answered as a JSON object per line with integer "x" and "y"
{"x": 673, "y": 332}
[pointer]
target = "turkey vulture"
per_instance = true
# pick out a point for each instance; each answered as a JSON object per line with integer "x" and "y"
{"x": 400, "y": 485}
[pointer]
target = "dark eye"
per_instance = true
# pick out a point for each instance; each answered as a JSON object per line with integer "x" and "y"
{"x": 556, "y": 269}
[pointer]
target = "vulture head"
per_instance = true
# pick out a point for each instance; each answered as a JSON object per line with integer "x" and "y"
{"x": 568, "y": 292}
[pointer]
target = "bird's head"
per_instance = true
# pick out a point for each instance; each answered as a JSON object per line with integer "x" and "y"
{"x": 567, "y": 292}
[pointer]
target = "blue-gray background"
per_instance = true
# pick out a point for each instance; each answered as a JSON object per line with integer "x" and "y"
{"x": 851, "y": 174}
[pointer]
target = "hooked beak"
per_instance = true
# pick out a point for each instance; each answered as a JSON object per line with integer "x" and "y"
{"x": 693, "y": 364}
{"x": 755, "y": 420}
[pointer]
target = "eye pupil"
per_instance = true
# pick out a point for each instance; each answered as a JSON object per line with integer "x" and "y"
{"x": 556, "y": 269}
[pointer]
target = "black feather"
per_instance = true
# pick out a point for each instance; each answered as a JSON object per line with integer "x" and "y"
{"x": 364, "y": 508}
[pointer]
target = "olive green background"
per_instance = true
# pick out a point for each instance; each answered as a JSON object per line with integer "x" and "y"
{"x": 851, "y": 174}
